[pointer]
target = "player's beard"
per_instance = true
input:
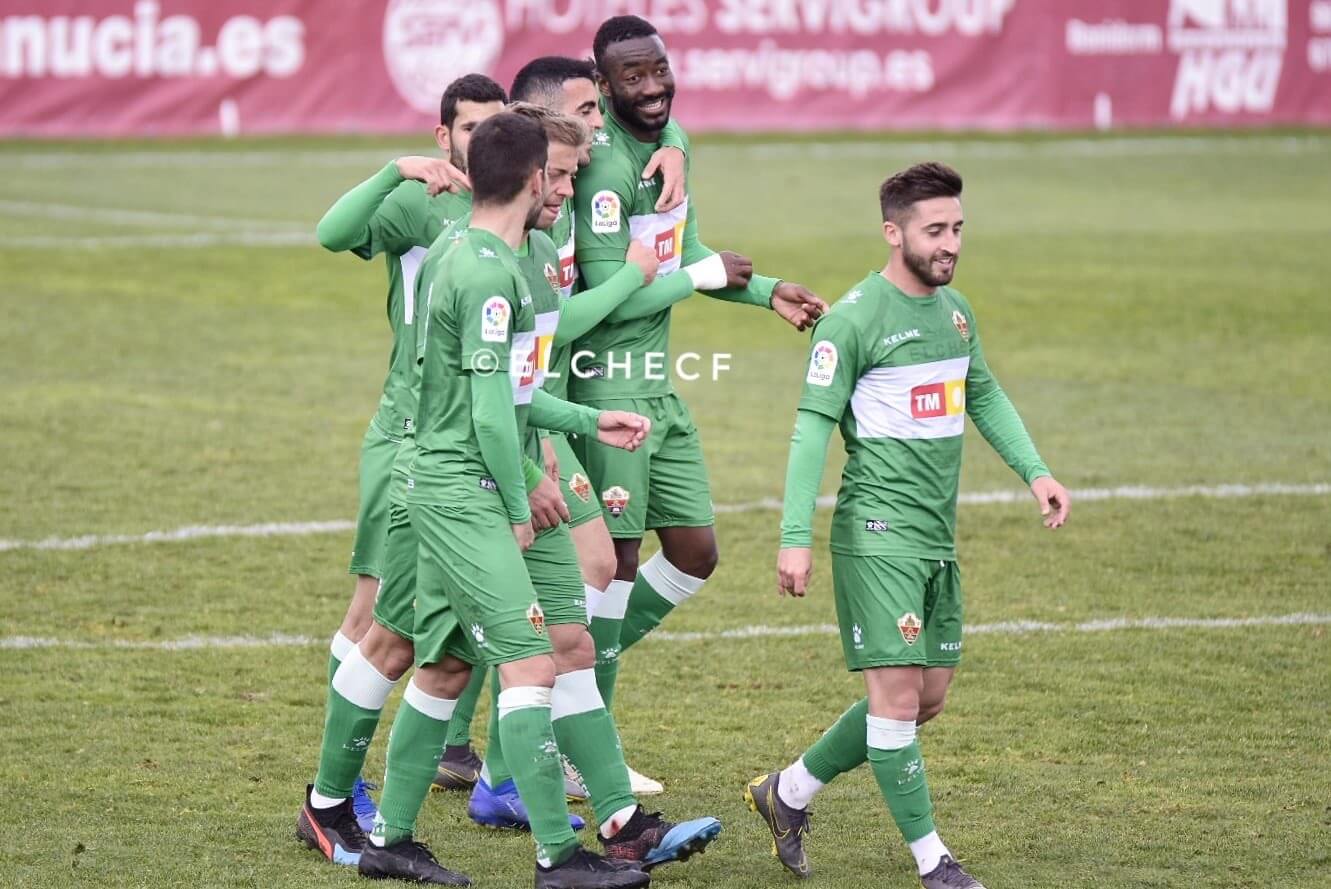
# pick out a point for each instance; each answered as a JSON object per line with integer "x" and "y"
{"x": 534, "y": 215}
{"x": 457, "y": 158}
{"x": 627, "y": 111}
{"x": 921, "y": 266}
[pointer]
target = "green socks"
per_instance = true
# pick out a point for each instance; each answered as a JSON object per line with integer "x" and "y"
{"x": 414, "y": 748}
{"x": 587, "y": 735}
{"x": 842, "y": 747}
{"x": 606, "y": 624}
{"x": 356, "y": 697}
{"x": 495, "y": 771}
{"x": 894, "y": 755}
{"x": 658, "y": 590}
{"x": 532, "y": 754}
{"x": 459, "y": 726}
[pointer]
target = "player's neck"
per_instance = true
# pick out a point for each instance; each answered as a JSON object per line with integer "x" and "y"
{"x": 904, "y": 279}
{"x": 508, "y": 223}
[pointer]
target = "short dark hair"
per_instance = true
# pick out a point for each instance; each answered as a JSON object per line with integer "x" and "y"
{"x": 616, "y": 30}
{"x": 541, "y": 80}
{"x": 900, "y": 191}
{"x": 468, "y": 88}
{"x": 504, "y": 150}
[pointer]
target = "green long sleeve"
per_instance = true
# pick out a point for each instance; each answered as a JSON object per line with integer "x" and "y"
{"x": 804, "y": 475}
{"x": 346, "y": 224}
{"x": 583, "y": 311}
{"x": 532, "y": 473}
{"x": 657, "y": 296}
{"x": 558, "y": 415}
{"x": 496, "y": 430}
{"x": 673, "y": 137}
{"x": 998, "y": 421}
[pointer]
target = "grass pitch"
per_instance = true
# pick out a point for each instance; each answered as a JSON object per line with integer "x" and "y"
{"x": 176, "y": 351}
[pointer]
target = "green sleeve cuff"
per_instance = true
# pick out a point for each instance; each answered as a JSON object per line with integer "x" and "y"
{"x": 758, "y": 293}
{"x": 532, "y": 473}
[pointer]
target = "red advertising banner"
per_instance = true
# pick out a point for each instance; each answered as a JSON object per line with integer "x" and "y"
{"x": 83, "y": 68}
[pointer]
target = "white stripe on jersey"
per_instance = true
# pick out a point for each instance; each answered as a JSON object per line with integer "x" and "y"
{"x": 664, "y": 233}
{"x": 568, "y": 269}
{"x": 914, "y": 401}
{"x": 411, "y": 266}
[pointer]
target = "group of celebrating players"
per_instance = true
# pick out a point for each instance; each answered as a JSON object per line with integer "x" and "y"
{"x": 523, "y": 446}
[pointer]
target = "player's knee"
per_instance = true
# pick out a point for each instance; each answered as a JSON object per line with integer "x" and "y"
{"x": 698, "y": 562}
{"x": 598, "y": 568}
{"x": 538, "y": 670}
{"x": 574, "y": 648}
{"x": 445, "y": 679}
{"x": 928, "y": 710}
{"x": 397, "y": 660}
{"x": 626, "y": 560}
{"x": 386, "y": 651}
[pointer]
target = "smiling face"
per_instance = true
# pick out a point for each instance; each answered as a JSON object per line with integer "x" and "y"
{"x": 928, "y": 239}
{"x": 639, "y": 84}
{"x": 560, "y": 167}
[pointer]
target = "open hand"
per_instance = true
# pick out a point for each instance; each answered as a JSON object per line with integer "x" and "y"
{"x": 1053, "y": 500}
{"x": 437, "y": 173}
{"x": 622, "y": 429}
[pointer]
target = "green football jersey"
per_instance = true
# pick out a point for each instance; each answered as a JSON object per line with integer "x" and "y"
{"x": 614, "y": 205}
{"x": 403, "y": 228}
{"x": 407, "y": 361}
{"x": 538, "y": 260}
{"x": 480, "y": 320}
{"x": 899, "y": 373}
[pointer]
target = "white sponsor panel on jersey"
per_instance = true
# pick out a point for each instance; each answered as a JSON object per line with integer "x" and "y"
{"x": 913, "y": 401}
{"x": 663, "y": 233}
{"x": 568, "y": 269}
{"x": 546, "y": 322}
{"x": 522, "y": 366}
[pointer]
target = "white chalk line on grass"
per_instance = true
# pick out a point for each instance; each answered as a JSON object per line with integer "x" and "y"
{"x": 767, "y": 504}
{"x": 1003, "y": 628}
{"x": 126, "y": 216}
{"x": 192, "y": 239}
{"x": 1109, "y": 146}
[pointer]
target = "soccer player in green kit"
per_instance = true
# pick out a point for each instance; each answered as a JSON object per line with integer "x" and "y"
{"x": 585, "y": 731}
{"x": 663, "y": 486}
{"x": 398, "y": 212}
{"x": 468, "y": 505}
{"x": 897, "y": 362}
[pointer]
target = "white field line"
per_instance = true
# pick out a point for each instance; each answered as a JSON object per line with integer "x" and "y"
{"x": 979, "y": 498}
{"x": 196, "y": 239}
{"x": 1111, "y": 146}
{"x": 123, "y": 216}
{"x": 1004, "y": 628}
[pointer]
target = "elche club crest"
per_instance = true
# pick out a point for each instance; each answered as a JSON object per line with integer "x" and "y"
{"x": 959, "y": 322}
{"x": 581, "y": 486}
{"x": 537, "y": 618}
{"x": 430, "y": 43}
{"x": 552, "y": 275}
{"x": 615, "y": 499}
{"x": 909, "y": 625}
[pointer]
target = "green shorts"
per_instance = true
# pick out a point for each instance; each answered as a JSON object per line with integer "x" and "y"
{"x": 377, "y": 452}
{"x": 663, "y": 484}
{"x": 395, "y": 605}
{"x": 474, "y": 597}
{"x": 896, "y": 612}
{"x": 552, "y": 564}
{"x": 574, "y": 484}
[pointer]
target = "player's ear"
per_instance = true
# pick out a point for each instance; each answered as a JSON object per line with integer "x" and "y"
{"x": 602, "y": 84}
{"x": 892, "y": 233}
{"x": 441, "y": 138}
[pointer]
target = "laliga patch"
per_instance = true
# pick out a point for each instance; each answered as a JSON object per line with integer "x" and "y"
{"x": 537, "y": 619}
{"x": 605, "y": 213}
{"x": 616, "y": 500}
{"x": 960, "y": 323}
{"x": 822, "y": 364}
{"x": 581, "y": 486}
{"x": 909, "y": 625}
{"x": 494, "y": 320}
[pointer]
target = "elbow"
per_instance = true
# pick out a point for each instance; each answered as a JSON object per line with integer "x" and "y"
{"x": 329, "y": 238}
